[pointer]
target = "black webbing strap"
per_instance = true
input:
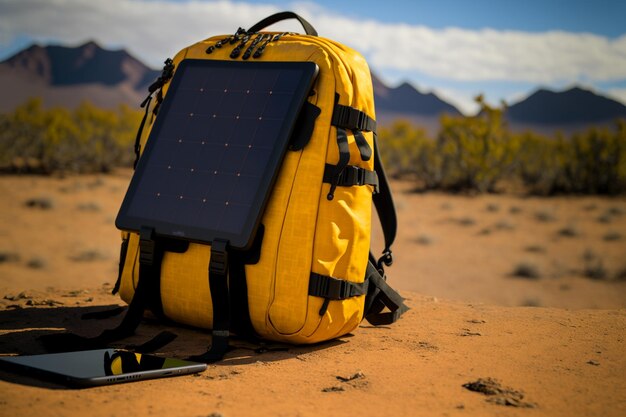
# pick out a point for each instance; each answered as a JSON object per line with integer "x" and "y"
{"x": 166, "y": 75}
{"x": 150, "y": 257}
{"x": 344, "y": 159}
{"x": 137, "y": 147}
{"x": 383, "y": 201}
{"x": 348, "y": 117}
{"x": 381, "y": 295}
{"x": 350, "y": 176}
{"x": 218, "y": 284}
{"x": 123, "y": 252}
{"x": 335, "y": 289}
{"x": 238, "y": 286}
{"x": 364, "y": 148}
{"x": 151, "y": 252}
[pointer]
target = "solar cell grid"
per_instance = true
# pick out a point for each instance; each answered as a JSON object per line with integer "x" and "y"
{"x": 215, "y": 148}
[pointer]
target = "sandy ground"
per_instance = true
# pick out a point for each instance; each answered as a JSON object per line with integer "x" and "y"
{"x": 552, "y": 337}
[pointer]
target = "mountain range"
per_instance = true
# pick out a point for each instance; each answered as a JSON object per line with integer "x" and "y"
{"x": 66, "y": 76}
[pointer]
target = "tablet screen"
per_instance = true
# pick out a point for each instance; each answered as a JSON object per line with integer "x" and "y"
{"x": 103, "y": 366}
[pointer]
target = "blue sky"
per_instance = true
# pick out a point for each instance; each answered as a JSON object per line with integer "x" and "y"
{"x": 457, "y": 49}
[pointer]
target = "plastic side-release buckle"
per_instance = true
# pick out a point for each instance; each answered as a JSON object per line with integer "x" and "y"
{"x": 352, "y": 175}
{"x": 146, "y": 246}
{"x": 219, "y": 257}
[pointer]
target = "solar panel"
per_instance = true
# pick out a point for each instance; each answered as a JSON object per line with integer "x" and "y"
{"x": 215, "y": 149}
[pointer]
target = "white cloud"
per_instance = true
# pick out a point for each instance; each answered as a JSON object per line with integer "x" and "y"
{"x": 478, "y": 55}
{"x": 618, "y": 94}
{"x": 151, "y": 30}
{"x": 154, "y": 30}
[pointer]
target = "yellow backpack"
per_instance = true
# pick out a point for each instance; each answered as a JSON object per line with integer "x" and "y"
{"x": 309, "y": 276}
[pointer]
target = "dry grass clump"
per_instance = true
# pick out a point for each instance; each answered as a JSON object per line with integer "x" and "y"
{"x": 504, "y": 225}
{"x": 526, "y": 270}
{"x": 424, "y": 240}
{"x": 544, "y": 216}
{"x": 88, "y": 255}
{"x": 37, "y": 262}
{"x": 6, "y": 257}
{"x": 531, "y": 302}
{"x": 594, "y": 266}
{"x": 89, "y": 206}
{"x": 612, "y": 236}
{"x": 492, "y": 207}
{"x": 43, "y": 203}
{"x": 535, "y": 249}
{"x": 569, "y": 231}
{"x": 466, "y": 221}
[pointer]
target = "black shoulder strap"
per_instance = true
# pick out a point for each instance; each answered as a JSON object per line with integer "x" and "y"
{"x": 379, "y": 296}
{"x": 383, "y": 201}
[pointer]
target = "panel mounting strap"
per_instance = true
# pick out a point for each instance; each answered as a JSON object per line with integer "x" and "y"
{"x": 220, "y": 298}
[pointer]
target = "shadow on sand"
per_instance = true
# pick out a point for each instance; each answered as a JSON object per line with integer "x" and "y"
{"x": 21, "y": 329}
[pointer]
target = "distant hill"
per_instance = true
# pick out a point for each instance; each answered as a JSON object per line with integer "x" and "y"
{"x": 406, "y": 99}
{"x": 406, "y": 102}
{"x": 65, "y": 76}
{"x": 568, "y": 111}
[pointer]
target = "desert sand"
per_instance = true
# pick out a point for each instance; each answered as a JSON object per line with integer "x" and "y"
{"x": 522, "y": 298}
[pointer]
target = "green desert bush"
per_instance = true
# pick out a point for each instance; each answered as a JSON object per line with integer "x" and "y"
{"x": 87, "y": 139}
{"x": 408, "y": 151}
{"x": 479, "y": 153}
{"x": 475, "y": 152}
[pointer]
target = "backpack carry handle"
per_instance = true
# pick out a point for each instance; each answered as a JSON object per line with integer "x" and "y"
{"x": 270, "y": 20}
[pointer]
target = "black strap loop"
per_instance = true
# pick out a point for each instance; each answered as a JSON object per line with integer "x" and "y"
{"x": 344, "y": 159}
{"x": 351, "y": 176}
{"x": 350, "y": 118}
{"x": 381, "y": 295}
{"x": 270, "y": 20}
{"x": 335, "y": 289}
{"x": 364, "y": 148}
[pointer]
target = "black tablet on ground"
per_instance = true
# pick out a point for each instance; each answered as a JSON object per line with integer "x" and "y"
{"x": 215, "y": 149}
{"x": 99, "y": 367}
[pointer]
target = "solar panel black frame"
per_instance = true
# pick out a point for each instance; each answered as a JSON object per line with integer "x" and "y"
{"x": 145, "y": 206}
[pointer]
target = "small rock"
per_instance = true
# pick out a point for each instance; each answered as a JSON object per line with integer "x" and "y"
{"x": 594, "y": 363}
{"x": 332, "y": 389}
{"x": 468, "y": 332}
{"x": 352, "y": 377}
{"x": 498, "y": 394}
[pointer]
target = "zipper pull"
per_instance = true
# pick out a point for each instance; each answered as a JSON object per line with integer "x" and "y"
{"x": 229, "y": 39}
{"x": 253, "y": 45}
{"x": 274, "y": 38}
{"x": 261, "y": 48}
{"x": 235, "y": 53}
